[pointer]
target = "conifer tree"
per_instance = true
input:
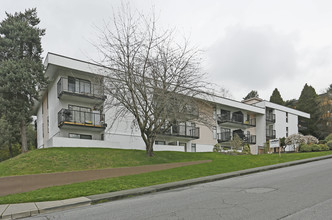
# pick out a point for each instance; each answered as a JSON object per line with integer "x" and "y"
{"x": 308, "y": 102}
{"x": 251, "y": 94}
{"x": 21, "y": 68}
{"x": 276, "y": 97}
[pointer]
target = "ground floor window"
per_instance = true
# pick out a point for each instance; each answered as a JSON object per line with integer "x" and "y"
{"x": 160, "y": 142}
{"x": 80, "y": 136}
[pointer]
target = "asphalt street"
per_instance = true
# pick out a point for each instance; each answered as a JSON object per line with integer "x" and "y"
{"x": 297, "y": 192}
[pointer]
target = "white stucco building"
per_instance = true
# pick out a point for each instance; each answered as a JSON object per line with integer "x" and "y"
{"x": 71, "y": 113}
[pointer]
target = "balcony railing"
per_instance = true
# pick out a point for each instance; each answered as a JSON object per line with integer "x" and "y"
{"x": 226, "y": 136}
{"x": 236, "y": 119}
{"x": 270, "y": 134}
{"x": 80, "y": 87}
{"x": 81, "y": 118}
{"x": 181, "y": 131}
{"x": 271, "y": 118}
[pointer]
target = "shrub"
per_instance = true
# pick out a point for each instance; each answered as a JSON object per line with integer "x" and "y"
{"x": 324, "y": 147}
{"x": 329, "y": 144}
{"x": 322, "y": 142}
{"x": 315, "y": 147}
{"x": 309, "y": 139}
{"x": 246, "y": 149}
{"x": 328, "y": 138}
{"x": 217, "y": 148}
{"x": 305, "y": 148}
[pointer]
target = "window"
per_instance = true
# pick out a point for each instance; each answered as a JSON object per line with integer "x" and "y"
{"x": 80, "y": 114}
{"x": 214, "y": 132}
{"x": 287, "y": 117}
{"x": 79, "y": 85}
{"x": 160, "y": 142}
{"x": 286, "y": 131}
{"x": 214, "y": 113}
{"x": 48, "y": 124}
{"x": 193, "y": 147}
{"x": 80, "y": 136}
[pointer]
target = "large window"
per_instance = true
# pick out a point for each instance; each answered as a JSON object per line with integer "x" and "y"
{"x": 79, "y": 85}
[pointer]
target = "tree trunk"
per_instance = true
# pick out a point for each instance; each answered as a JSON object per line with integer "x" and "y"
{"x": 24, "y": 137}
{"x": 10, "y": 148}
{"x": 149, "y": 148}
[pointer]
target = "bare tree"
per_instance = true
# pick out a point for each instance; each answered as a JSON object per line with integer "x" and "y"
{"x": 149, "y": 76}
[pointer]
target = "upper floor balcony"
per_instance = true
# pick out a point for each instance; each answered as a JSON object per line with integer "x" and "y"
{"x": 226, "y": 137}
{"x": 69, "y": 118}
{"x": 270, "y": 118}
{"x": 84, "y": 90}
{"x": 181, "y": 130}
{"x": 235, "y": 120}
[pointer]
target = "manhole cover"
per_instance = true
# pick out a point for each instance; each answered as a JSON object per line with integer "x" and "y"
{"x": 259, "y": 190}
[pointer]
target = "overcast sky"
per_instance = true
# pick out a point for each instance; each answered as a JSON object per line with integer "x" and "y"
{"x": 248, "y": 44}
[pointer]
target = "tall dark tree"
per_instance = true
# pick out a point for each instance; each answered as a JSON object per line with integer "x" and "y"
{"x": 21, "y": 68}
{"x": 291, "y": 103}
{"x": 324, "y": 122}
{"x": 276, "y": 97}
{"x": 308, "y": 102}
{"x": 251, "y": 94}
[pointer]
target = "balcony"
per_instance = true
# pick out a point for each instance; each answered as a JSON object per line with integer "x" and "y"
{"x": 226, "y": 137}
{"x": 270, "y": 134}
{"x": 70, "y": 118}
{"x": 191, "y": 132}
{"x": 74, "y": 88}
{"x": 270, "y": 118}
{"x": 236, "y": 121}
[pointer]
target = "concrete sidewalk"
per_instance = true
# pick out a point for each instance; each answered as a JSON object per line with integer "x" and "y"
{"x": 14, "y": 211}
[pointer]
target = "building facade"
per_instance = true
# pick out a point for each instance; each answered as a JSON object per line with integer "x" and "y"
{"x": 72, "y": 113}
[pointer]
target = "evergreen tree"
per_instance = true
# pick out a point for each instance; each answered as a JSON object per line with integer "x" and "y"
{"x": 251, "y": 94}
{"x": 21, "y": 68}
{"x": 308, "y": 102}
{"x": 324, "y": 122}
{"x": 291, "y": 103}
{"x": 276, "y": 97}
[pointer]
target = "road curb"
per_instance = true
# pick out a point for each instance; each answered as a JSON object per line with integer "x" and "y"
{"x": 14, "y": 211}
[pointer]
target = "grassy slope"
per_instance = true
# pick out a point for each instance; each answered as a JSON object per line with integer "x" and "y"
{"x": 220, "y": 164}
{"x": 71, "y": 159}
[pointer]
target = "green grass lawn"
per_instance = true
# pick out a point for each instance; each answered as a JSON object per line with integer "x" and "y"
{"x": 220, "y": 164}
{"x": 72, "y": 159}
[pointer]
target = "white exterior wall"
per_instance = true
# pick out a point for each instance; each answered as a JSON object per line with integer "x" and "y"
{"x": 293, "y": 124}
{"x": 260, "y": 130}
{"x": 39, "y": 128}
{"x": 54, "y": 106}
{"x": 280, "y": 124}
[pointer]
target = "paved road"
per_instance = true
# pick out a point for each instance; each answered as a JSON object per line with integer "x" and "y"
{"x": 298, "y": 192}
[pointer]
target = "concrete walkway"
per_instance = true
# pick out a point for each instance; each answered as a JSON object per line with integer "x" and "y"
{"x": 26, "y": 183}
{"x": 14, "y": 211}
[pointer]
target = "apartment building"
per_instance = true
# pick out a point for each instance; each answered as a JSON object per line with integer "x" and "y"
{"x": 72, "y": 113}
